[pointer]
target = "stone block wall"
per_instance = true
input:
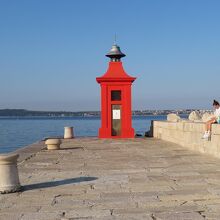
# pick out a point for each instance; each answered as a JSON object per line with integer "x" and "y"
{"x": 189, "y": 135}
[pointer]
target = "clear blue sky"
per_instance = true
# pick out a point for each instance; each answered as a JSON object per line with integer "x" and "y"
{"x": 51, "y": 51}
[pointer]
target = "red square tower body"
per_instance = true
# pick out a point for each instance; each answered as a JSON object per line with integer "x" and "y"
{"x": 116, "y": 113}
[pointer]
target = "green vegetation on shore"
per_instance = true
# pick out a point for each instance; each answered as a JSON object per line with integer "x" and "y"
{"x": 25, "y": 113}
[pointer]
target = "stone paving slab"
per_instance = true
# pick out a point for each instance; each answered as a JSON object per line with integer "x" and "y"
{"x": 96, "y": 179}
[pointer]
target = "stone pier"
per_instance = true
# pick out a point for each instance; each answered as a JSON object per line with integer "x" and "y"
{"x": 95, "y": 179}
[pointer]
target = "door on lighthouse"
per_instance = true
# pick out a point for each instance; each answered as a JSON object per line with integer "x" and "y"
{"x": 116, "y": 120}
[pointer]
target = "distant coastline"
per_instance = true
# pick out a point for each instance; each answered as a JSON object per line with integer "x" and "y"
{"x": 31, "y": 113}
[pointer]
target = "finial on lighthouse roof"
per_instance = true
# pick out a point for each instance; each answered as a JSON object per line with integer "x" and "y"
{"x": 115, "y": 53}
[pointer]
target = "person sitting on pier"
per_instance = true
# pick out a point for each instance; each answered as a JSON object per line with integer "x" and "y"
{"x": 214, "y": 119}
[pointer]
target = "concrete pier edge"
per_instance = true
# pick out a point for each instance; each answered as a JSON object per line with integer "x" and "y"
{"x": 189, "y": 135}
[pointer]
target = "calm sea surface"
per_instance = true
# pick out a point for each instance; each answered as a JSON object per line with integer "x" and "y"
{"x": 16, "y": 132}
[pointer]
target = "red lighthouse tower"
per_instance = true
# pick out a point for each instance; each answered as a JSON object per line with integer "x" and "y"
{"x": 116, "y": 114}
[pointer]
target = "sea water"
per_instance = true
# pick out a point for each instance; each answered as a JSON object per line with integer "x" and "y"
{"x": 16, "y": 132}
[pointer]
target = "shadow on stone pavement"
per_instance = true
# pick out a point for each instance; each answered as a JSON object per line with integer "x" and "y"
{"x": 57, "y": 183}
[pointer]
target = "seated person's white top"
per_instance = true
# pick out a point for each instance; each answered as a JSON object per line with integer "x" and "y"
{"x": 217, "y": 113}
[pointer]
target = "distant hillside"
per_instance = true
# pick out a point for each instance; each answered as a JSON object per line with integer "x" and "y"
{"x": 23, "y": 112}
{"x": 30, "y": 113}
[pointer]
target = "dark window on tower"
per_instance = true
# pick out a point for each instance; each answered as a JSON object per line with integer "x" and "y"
{"x": 116, "y": 95}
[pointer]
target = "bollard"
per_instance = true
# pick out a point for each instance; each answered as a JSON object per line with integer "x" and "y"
{"x": 9, "y": 179}
{"x": 68, "y": 132}
{"x": 53, "y": 144}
